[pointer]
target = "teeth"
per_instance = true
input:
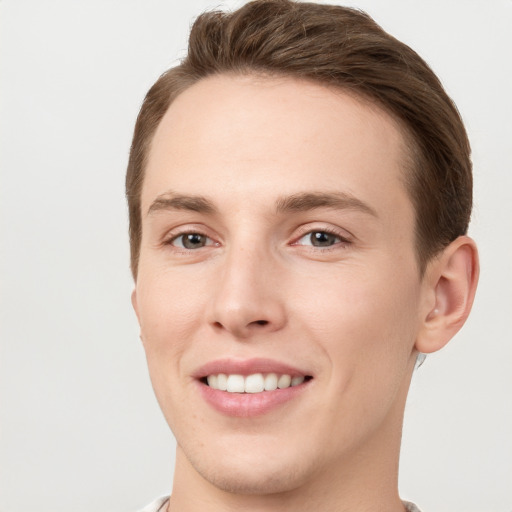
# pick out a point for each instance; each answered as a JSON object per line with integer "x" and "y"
{"x": 213, "y": 381}
{"x": 235, "y": 384}
{"x": 297, "y": 380}
{"x": 270, "y": 382}
{"x": 284, "y": 381}
{"x": 255, "y": 383}
{"x": 222, "y": 382}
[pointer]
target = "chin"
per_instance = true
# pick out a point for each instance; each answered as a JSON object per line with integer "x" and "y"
{"x": 253, "y": 481}
{"x": 251, "y": 472}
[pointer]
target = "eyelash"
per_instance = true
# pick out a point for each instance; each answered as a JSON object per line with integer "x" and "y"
{"x": 341, "y": 242}
{"x": 176, "y": 236}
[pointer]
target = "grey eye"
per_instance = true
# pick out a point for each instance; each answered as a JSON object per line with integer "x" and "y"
{"x": 319, "y": 239}
{"x": 191, "y": 241}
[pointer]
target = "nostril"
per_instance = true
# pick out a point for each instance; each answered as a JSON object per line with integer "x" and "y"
{"x": 261, "y": 322}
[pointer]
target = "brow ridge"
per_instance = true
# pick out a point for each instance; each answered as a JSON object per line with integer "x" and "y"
{"x": 311, "y": 200}
{"x": 172, "y": 201}
{"x": 302, "y": 201}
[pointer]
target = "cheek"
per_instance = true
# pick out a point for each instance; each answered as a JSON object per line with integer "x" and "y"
{"x": 169, "y": 300}
{"x": 356, "y": 301}
{"x": 365, "y": 323}
{"x": 170, "y": 307}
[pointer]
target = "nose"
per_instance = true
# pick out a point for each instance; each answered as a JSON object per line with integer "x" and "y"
{"x": 247, "y": 299}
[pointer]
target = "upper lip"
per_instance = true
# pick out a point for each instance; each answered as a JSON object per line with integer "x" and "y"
{"x": 247, "y": 367}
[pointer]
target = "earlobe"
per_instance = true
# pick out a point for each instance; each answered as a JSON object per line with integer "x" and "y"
{"x": 451, "y": 280}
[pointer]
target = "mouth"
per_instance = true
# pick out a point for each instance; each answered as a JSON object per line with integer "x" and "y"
{"x": 251, "y": 387}
{"x": 253, "y": 383}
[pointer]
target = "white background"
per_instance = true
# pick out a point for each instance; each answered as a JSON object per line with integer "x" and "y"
{"x": 80, "y": 428}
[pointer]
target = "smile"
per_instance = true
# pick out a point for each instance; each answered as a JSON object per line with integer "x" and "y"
{"x": 254, "y": 383}
{"x": 253, "y": 387}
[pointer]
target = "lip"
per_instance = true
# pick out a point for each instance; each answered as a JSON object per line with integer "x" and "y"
{"x": 249, "y": 404}
{"x": 247, "y": 367}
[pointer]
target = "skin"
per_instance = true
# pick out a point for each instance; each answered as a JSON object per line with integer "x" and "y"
{"x": 353, "y": 313}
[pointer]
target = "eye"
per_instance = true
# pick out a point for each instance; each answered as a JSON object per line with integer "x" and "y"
{"x": 191, "y": 241}
{"x": 320, "y": 239}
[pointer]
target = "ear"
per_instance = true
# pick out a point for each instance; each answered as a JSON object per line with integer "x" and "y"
{"x": 134, "y": 303}
{"x": 450, "y": 283}
{"x": 135, "y": 306}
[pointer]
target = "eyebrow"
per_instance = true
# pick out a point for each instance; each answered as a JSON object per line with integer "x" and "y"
{"x": 295, "y": 203}
{"x": 172, "y": 201}
{"x": 312, "y": 200}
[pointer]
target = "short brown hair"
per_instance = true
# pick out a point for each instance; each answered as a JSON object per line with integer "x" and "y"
{"x": 337, "y": 46}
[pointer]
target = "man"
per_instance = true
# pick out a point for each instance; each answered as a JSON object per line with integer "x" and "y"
{"x": 299, "y": 191}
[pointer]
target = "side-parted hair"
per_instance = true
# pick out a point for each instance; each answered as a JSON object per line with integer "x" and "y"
{"x": 335, "y": 46}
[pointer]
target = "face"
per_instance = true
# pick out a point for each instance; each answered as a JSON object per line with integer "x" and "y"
{"x": 278, "y": 291}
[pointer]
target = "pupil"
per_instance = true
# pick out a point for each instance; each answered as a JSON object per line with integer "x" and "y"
{"x": 193, "y": 240}
{"x": 322, "y": 239}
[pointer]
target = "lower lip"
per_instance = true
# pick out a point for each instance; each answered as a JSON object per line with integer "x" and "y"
{"x": 244, "y": 405}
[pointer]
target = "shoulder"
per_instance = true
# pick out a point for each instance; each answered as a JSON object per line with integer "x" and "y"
{"x": 159, "y": 505}
{"x": 411, "y": 507}
{"x": 156, "y": 506}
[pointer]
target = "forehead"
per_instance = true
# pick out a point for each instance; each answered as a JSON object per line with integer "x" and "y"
{"x": 254, "y": 137}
